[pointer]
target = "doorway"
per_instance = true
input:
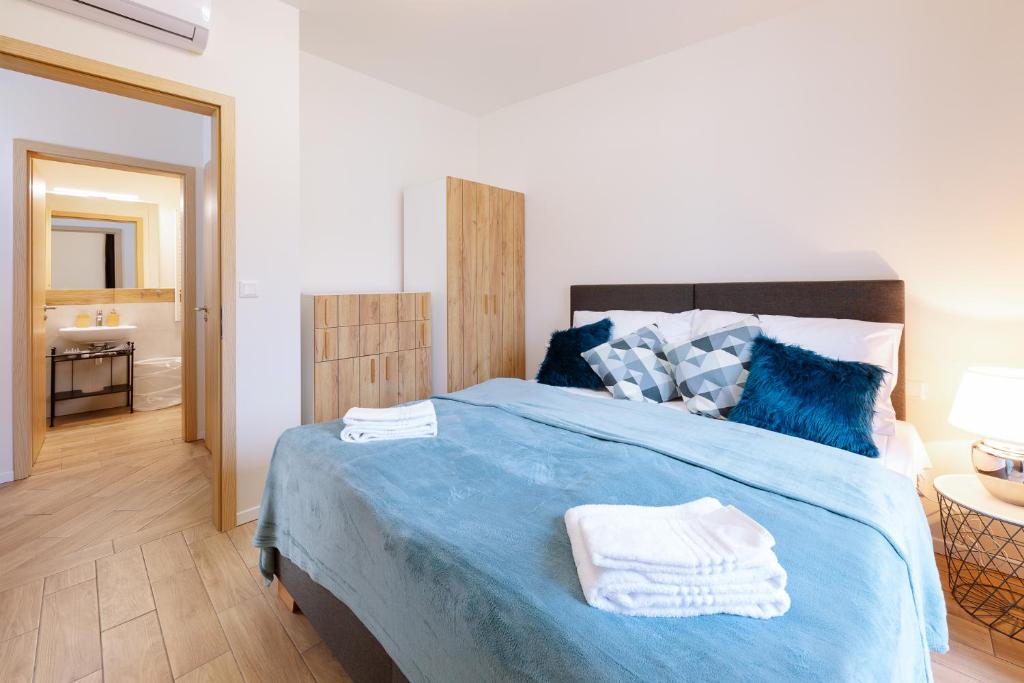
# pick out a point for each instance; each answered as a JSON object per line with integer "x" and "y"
{"x": 28, "y": 303}
{"x": 118, "y": 238}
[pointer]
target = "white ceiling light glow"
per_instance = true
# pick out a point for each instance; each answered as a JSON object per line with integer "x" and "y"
{"x": 74, "y": 192}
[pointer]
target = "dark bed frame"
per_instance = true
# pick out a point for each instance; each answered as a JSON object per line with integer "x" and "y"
{"x": 359, "y": 652}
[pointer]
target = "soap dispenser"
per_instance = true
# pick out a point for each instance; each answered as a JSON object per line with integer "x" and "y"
{"x": 113, "y": 318}
{"x": 99, "y": 318}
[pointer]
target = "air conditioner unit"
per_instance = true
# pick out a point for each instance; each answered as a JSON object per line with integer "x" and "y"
{"x": 182, "y": 23}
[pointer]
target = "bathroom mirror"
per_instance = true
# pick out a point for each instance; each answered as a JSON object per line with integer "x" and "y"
{"x": 96, "y": 253}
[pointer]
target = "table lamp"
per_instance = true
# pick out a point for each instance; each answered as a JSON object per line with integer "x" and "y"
{"x": 990, "y": 403}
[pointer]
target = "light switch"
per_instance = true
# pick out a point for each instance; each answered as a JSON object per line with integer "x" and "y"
{"x": 917, "y": 389}
{"x": 248, "y": 289}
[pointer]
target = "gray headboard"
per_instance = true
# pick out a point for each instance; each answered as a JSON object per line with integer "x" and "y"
{"x": 873, "y": 300}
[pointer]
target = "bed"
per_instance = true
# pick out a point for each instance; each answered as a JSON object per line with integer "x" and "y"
{"x": 904, "y": 452}
{"x": 447, "y": 560}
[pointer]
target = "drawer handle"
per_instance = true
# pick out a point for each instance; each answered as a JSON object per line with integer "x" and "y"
{"x": 387, "y": 369}
{"x": 373, "y": 371}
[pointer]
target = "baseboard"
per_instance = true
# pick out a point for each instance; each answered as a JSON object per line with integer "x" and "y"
{"x": 244, "y": 516}
{"x": 6, "y": 476}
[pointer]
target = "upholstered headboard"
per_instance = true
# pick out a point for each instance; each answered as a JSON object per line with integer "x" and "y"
{"x": 873, "y": 300}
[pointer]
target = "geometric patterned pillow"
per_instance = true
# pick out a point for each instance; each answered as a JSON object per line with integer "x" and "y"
{"x": 634, "y": 367}
{"x": 710, "y": 371}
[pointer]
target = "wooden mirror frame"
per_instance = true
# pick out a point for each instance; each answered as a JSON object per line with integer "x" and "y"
{"x": 55, "y": 297}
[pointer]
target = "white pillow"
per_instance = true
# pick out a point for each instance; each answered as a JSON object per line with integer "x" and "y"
{"x": 675, "y": 327}
{"x": 707, "y": 321}
{"x": 849, "y": 340}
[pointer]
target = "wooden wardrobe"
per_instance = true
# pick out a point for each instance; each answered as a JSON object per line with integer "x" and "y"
{"x": 463, "y": 242}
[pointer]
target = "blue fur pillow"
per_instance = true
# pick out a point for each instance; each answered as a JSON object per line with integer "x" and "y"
{"x": 794, "y": 391}
{"x": 563, "y": 366}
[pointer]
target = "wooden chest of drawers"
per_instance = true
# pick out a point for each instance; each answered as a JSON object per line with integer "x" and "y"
{"x": 369, "y": 350}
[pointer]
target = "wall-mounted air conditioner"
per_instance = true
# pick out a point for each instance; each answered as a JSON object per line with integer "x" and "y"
{"x": 182, "y": 23}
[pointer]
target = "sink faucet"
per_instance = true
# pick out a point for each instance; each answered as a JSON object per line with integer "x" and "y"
{"x": 99, "y": 318}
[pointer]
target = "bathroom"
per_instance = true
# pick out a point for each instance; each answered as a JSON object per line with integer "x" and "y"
{"x": 113, "y": 289}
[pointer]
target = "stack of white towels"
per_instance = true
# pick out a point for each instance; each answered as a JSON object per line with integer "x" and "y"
{"x": 680, "y": 561}
{"x": 413, "y": 421}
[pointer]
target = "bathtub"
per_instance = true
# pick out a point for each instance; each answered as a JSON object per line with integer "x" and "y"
{"x": 157, "y": 383}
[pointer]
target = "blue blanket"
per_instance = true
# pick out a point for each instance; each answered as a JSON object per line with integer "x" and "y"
{"x": 454, "y": 554}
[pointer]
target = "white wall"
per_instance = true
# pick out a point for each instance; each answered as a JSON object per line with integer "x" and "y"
{"x": 253, "y": 56}
{"x": 869, "y": 139}
{"x": 363, "y": 141}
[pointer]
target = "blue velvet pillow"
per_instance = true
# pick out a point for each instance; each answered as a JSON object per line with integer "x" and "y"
{"x": 563, "y": 366}
{"x": 794, "y": 391}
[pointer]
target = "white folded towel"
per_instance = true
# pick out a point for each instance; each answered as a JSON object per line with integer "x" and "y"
{"x": 413, "y": 412}
{"x": 702, "y": 571}
{"x": 417, "y": 420}
{"x": 361, "y": 435}
{"x": 709, "y": 542}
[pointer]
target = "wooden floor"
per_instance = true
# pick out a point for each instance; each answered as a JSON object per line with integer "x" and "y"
{"x": 976, "y": 653}
{"x": 112, "y": 572}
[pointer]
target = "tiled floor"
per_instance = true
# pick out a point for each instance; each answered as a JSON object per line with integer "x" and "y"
{"x": 111, "y": 572}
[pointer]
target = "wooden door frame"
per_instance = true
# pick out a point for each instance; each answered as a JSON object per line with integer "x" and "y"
{"x": 36, "y": 60}
{"x": 27, "y": 151}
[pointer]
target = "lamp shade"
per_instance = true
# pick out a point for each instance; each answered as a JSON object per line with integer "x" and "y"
{"x": 990, "y": 403}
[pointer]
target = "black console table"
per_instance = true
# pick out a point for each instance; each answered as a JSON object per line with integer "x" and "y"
{"x": 127, "y": 351}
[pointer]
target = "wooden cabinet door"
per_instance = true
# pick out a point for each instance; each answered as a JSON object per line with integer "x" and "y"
{"x": 336, "y": 388}
{"x": 389, "y": 382}
{"x": 513, "y": 333}
{"x": 325, "y": 391}
{"x": 499, "y": 208}
{"x": 485, "y": 283}
{"x": 424, "y": 374}
{"x": 475, "y": 217}
{"x": 369, "y": 381}
{"x": 348, "y": 385}
{"x": 456, "y": 324}
{"x": 406, "y": 376}
{"x": 505, "y": 287}
{"x": 482, "y": 247}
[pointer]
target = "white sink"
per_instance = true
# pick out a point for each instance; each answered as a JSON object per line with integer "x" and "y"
{"x": 106, "y": 333}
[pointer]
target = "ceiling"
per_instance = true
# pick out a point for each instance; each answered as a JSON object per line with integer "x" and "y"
{"x": 480, "y": 55}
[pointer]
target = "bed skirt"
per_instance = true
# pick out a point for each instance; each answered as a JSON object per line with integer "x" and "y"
{"x": 355, "y": 648}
